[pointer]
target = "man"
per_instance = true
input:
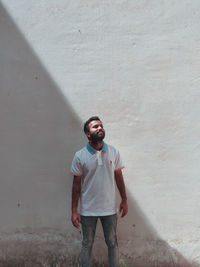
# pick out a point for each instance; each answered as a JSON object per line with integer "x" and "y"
{"x": 96, "y": 168}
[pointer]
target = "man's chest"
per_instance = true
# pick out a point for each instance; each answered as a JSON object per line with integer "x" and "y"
{"x": 100, "y": 161}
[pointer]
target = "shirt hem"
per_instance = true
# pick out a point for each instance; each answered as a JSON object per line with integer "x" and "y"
{"x": 98, "y": 214}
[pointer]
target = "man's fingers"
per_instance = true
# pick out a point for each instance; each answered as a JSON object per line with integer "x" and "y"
{"x": 123, "y": 213}
{"x": 76, "y": 220}
{"x": 76, "y": 224}
{"x": 123, "y": 209}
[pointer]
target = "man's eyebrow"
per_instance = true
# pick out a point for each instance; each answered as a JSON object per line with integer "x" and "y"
{"x": 96, "y": 125}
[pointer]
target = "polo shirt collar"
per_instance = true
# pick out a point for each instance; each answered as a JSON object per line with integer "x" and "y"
{"x": 93, "y": 151}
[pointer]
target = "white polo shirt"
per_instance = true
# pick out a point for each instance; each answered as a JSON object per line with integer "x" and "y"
{"x": 97, "y": 182}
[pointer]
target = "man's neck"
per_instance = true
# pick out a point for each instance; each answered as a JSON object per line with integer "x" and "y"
{"x": 97, "y": 146}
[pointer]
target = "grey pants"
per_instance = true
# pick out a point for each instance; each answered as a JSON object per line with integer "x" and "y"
{"x": 109, "y": 224}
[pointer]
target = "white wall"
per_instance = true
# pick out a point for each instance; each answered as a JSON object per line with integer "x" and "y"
{"x": 133, "y": 63}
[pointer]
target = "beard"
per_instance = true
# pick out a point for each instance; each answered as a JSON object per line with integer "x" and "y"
{"x": 95, "y": 138}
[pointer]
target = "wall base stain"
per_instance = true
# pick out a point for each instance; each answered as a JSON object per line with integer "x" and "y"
{"x": 55, "y": 248}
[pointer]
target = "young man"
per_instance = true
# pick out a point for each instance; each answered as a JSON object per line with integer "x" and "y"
{"x": 96, "y": 168}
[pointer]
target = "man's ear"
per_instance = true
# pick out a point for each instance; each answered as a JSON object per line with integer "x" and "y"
{"x": 88, "y": 135}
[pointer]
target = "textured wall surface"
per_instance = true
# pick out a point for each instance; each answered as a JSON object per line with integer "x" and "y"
{"x": 136, "y": 65}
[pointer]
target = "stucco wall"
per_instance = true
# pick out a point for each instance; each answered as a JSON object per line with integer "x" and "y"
{"x": 136, "y": 65}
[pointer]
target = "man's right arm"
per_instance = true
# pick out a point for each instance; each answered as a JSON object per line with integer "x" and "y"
{"x": 76, "y": 191}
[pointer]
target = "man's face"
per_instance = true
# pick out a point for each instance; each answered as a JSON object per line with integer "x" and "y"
{"x": 96, "y": 132}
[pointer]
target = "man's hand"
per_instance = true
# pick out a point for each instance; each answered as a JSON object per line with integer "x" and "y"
{"x": 76, "y": 219}
{"x": 123, "y": 208}
{"x": 76, "y": 191}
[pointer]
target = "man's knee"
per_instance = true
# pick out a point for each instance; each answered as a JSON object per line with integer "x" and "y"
{"x": 111, "y": 241}
{"x": 88, "y": 242}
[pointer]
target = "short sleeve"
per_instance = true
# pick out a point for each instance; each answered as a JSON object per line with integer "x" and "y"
{"x": 76, "y": 168}
{"x": 118, "y": 161}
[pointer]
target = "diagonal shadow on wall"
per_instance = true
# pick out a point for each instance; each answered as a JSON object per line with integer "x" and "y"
{"x": 39, "y": 133}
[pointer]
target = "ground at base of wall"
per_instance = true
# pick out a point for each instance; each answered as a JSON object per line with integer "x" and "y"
{"x": 53, "y": 248}
{"x": 74, "y": 262}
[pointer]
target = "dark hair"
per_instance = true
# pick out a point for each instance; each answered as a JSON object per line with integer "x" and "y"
{"x": 86, "y": 124}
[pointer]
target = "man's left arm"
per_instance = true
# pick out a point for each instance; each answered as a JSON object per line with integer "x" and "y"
{"x": 122, "y": 190}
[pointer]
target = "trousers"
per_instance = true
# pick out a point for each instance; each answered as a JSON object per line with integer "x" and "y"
{"x": 109, "y": 224}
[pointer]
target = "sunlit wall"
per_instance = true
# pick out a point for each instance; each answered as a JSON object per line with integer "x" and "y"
{"x": 136, "y": 65}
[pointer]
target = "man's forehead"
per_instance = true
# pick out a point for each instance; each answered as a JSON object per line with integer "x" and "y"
{"x": 92, "y": 123}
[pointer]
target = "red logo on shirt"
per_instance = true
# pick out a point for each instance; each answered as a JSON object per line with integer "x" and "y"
{"x": 110, "y": 162}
